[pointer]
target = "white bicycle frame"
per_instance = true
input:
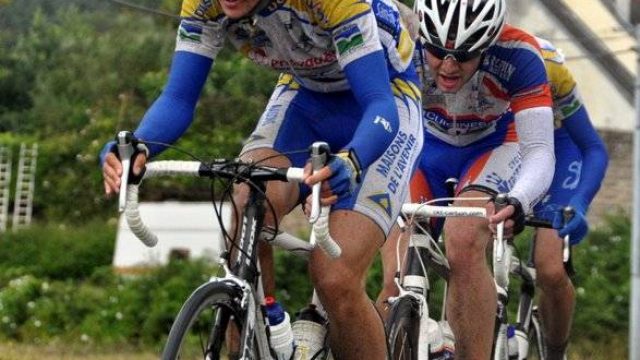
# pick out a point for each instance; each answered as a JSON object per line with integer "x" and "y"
{"x": 503, "y": 262}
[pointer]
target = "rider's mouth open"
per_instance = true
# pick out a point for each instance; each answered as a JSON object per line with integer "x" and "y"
{"x": 449, "y": 81}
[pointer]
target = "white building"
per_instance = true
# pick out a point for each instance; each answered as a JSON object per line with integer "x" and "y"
{"x": 188, "y": 229}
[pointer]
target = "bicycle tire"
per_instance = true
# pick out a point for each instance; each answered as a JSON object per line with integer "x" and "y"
{"x": 215, "y": 297}
{"x": 536, "y": 337}
{"x": 403, "y": 327}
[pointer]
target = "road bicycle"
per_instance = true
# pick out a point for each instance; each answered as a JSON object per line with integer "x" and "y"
{"x": 411, "y": 330}
{"x": 527, "y": 332}
{"x": 237, "y": 296}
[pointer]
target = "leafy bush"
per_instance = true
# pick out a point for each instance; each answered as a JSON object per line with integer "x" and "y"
{"x": 74, "y": 73}
{"x": 106, "y": 309}
{"x": 602, "y": 281}
{"x": 56, "y": 251}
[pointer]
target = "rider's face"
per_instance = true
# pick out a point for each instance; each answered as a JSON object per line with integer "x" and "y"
{"x": 450, "y": 74}
{"x": 235, "y": 9}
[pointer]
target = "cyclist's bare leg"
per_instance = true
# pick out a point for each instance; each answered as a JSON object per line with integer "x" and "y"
{"x": 389, "y": 267}
{"x": 471, "y": 297}
{"x": 557, "y": 295}
{"x": 356, "y": 331}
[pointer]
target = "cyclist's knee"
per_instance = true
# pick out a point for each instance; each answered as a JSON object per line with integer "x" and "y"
{"x": 335, "y": 286}
{"x": 466, "y": 242}
{"x": 551, "y": 275}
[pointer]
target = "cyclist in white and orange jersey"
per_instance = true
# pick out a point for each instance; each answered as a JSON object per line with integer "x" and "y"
{"x": 488, "y": 121}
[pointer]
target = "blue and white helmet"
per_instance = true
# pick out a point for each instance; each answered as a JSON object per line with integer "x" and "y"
{"x": 464, "y": 25}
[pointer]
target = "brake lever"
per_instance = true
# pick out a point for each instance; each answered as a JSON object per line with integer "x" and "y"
{"x": 567, "y": 214}
{"x": 125, "y": 152}
{"x": 500, "y": 203}
{"x": 319, "y": 157}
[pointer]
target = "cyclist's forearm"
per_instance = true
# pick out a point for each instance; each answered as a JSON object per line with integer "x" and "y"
{"x": 594, "y": 154}
{"x": 535, "y": 134}
{"x": 369, "y": 81}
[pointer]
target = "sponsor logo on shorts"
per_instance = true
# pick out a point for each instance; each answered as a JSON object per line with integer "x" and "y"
{"x": 271, "y": 115}
{"x": 395, "y": 163}
{"x": 383, "y": 201}
{"x": 501, "y": 185}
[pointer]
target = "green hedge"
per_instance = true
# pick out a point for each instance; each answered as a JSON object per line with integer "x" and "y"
{"x": 102, "y": 309}
{"x": 56, "y": 251}
{"x": 57, "y": 283}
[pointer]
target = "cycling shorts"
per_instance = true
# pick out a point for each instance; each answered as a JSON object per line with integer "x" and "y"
{"x": 565, "y": 180}
{"x": 295, "y": 117}
{"x": 490, "y": 165}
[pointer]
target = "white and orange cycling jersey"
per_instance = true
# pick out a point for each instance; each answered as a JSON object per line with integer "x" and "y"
{"x": 305, "y": 46}
{"x": 495, "y": 134}
{"x": 501, "y": 86}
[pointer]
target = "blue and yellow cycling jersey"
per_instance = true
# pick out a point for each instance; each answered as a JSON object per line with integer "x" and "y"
{"x": 581, "y": 157}
{"x": 566, "y": 100}
{"x": 319, "y": 37}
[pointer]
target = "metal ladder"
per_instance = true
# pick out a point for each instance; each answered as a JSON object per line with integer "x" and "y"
{"x": 5, "y": 183}
{"x": 25, "y": 184}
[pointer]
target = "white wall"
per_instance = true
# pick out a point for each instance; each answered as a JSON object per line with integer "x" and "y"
{"x": 608, "y": 108}
{"x": 624, "y": 8}
{"x": 187, "y": 226}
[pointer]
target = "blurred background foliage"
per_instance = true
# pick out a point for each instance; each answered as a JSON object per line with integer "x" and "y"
{"x": 72, "y": 73}
{"x": 77, "y": 71}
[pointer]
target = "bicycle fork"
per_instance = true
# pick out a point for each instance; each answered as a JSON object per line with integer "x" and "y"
{"x": 505, "y": 265}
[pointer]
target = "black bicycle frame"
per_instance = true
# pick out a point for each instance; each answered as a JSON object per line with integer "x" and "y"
{"x": 246, "y": 265}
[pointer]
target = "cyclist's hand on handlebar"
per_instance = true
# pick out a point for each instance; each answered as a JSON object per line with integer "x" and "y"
{"x": 326, "y": 199}
{"x": 342, "y": 174}
{"x": 575, "y": 225}
{"x": 112, "y": 171}
{"x": 511, "y": 213}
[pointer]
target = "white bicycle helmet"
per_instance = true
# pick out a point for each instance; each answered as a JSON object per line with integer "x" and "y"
{"x": 461, "y": 25}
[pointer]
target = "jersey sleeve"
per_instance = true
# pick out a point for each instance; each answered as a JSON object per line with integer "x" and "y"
{"x": 566, "y": 99}
{"x": 520, "y": 64}
{"x": 201, "y": 29}
{"x": 352, "y": 26}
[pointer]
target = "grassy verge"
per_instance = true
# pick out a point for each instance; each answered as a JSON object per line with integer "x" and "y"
{"x": 18, "y": 351}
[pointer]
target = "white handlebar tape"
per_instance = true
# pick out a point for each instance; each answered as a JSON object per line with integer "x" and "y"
{"x": 320, "y": 234}
{"x": 132, "y": 214}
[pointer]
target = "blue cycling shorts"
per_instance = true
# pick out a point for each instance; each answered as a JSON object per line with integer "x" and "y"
{"x": 295, "y": 117}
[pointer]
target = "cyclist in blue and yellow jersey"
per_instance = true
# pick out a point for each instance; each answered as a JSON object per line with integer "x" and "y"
{"x": 581, "y": 163}
{"x": 327, "y": 52}
{"x": 488, "y": 121}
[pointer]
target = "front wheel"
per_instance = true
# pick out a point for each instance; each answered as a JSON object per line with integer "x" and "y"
{"x": 403, "y": 328}
{"x": 201, "y": 325}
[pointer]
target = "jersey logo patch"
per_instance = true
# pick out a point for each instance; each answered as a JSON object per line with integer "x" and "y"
{"x": 348, "y": 39}
{"x": 384, "y": 122}
{"x": 190, "y": 32}
{"x": 384, "y": 201}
